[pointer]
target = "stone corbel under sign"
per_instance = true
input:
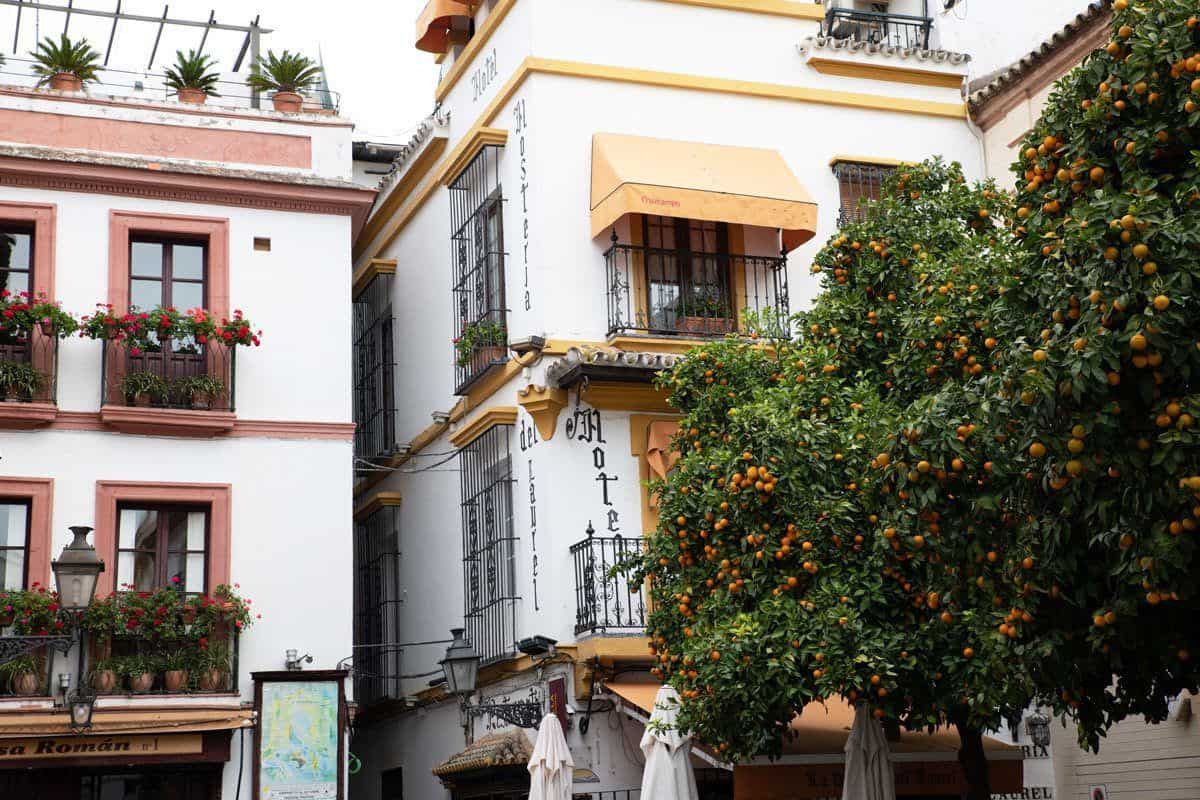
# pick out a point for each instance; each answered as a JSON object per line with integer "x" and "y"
{"x": 543, "y": 404}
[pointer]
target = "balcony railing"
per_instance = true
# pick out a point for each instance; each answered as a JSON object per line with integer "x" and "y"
{"x": 174, "y": 375}
{"x": 674, "y": 293}
{"x": 878, "y": 27}
{"x": 604, "y": 601}
{"x": 29, "y": 368}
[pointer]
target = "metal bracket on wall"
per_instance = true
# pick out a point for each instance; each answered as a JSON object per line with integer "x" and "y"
{"x": 13, "y": 647}
{"x": 523, "y": 715}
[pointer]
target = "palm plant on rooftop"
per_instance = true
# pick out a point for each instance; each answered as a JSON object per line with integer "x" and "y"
{"x": 192, "y": 76}
{"x": 66, "y": 64}
{"x": 286, "y": 74}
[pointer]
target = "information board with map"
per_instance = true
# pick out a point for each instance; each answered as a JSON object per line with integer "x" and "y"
{"x": 299, "y": 739}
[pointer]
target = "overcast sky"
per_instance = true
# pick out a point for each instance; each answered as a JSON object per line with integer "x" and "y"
{"x": 385, "y": 83}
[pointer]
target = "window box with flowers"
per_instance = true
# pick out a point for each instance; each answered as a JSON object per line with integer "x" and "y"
{"x": 30, "y": 329}
{"x": 163, "y": 641}
{"x": 482, "y": 344}
{"x": 166, "y": 371}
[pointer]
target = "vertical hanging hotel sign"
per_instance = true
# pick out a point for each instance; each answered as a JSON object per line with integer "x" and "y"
{"x": 299, "y": 744}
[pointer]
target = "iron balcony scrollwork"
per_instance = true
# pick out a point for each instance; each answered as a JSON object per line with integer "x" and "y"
{"x": 13, "y": 647}
{"x": 523, "y": 715}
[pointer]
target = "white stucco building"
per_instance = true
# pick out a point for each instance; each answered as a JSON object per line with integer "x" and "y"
{"x": 599, "y": 187}
{"x": 128, "y": 200}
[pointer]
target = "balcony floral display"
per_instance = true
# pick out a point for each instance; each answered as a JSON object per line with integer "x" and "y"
{"x": 20, "y": 382}
{"x": 150, "y": 640}
{"x": 703, "y": 312}
{"x": 484, "y": 341}
{"x": 33, "y": 612}
{"x": 167, "y": 358}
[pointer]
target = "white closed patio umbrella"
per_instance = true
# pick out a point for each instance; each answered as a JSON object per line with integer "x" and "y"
{"x": 668, "y": 773}
{"x": 868, "y": 761}
{"x": 551, "y": 768}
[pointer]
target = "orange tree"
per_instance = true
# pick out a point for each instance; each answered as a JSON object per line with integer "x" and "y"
{"x": 1098, "y": 397}
{"x": 794, "y": 560}
{"x": 974, "y": 479}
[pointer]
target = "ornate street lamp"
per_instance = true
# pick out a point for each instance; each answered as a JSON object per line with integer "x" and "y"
{"x": 76, "y": 571}
{"x": 461, "y": 667}
{"x": 1037, "y": 725}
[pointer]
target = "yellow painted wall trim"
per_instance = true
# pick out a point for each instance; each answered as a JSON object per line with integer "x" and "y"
{"x": 375, "y": 502}
{"x": 420, "y": 167}
{"x": 472, "y": 143}
{"x": 654, "y": 344}
{"x": 780, "y": 8}
{"x": 482, "y": 422}
{"x": 886, "y": 72}
{"x": 879, "y": 162}
{"x": 776, "y": 91}
{"x": 614, "y": 648}
{"x": 543, "y": 404}
{"x": 672, "y": 80}
{"x": 369, "y": 272}
{"x": 477, "y": 43}
{"x": 616, "y": 396}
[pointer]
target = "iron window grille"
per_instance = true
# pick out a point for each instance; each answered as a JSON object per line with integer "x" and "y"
{"x": 377, "y": 606}
{"x": 477, "y": 253}
{"x": 604, "y": 601}
{"x": 374, "y": 371}
{"x": 858, "y": 183}
{"x": 879, "y": 26}
{"x": 489, "y": 570}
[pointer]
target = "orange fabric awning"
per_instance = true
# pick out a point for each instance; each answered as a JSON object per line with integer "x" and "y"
{"x": 55, "y": 722}
{"x": 691, "y": 180}
{"x": 433, "y": 25}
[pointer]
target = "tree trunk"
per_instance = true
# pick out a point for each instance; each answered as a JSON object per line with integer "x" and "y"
{"x": 973, "y": 761}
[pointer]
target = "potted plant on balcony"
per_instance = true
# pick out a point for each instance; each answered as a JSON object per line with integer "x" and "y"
{"x": 213, "y": 663}
{"x": 51, "y": 319}
{"x": 199, "y": 391}
{"x": 19, "y": 381}
{"x": 484, "y": 339}
{"x": 703, "y": 313}
{"x": 175, "y": 664}
{"x": 105, "y": 675}
{"x": 21, "y": 675}
{"x": 192, "y": 77}
{"x": 65, "y": 65}
{"x": 138, "y": 671}
{"x": 142, "y": 388}
{"x": 286, "y": 75}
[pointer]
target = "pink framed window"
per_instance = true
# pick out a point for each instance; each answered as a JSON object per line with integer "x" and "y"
{"x": 131, "y": 238}
{"x": 26, "y": 506}
{"x": 149, "y": 533}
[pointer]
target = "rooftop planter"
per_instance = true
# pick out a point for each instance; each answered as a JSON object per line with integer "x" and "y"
{"x": 286, "y": 75}
{"x": 30, "y": 329}
{"x": 65, "y": 65}
{"x": 169, "y": 372}
{"x": 192, "y": 77}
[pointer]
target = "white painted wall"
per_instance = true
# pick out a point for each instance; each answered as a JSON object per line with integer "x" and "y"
{"x": 291, "y": 499}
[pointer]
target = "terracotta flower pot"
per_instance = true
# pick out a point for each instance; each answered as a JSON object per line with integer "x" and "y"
{"x": 25, "y": 684}
{"x": 288, "y": 102}
{"x": 47, "y": 327}
{"x": 175, "y": 680}
{"x": 141, "y": 399}
{"x": 194, "y": 96}
{"x": 201, "y": 401}
{"x": 141, "y": 683}
{"x": 189, "y": 614}
{"x": 704, "y": 325}
{"x": 66, "y": 82}
{"x": 6, "y": 618}
{"x": 104, "y": 681}
{"x": 211, "y": 680}
{"x": 12, "y": 395}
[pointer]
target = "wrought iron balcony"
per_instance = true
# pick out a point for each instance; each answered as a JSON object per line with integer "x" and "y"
{"x": 28, "y": 367}
{"x": 173, "y": 374}
{"x": 604, "y": 601}
{"x": 678, "y": 293}
{"x": 878, "y": 27}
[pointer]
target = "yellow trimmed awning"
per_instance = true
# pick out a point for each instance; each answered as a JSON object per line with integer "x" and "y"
{"x": 435, "y": 22}
{"x": 56, "y": 722}
{"x": 692, "y": 180}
